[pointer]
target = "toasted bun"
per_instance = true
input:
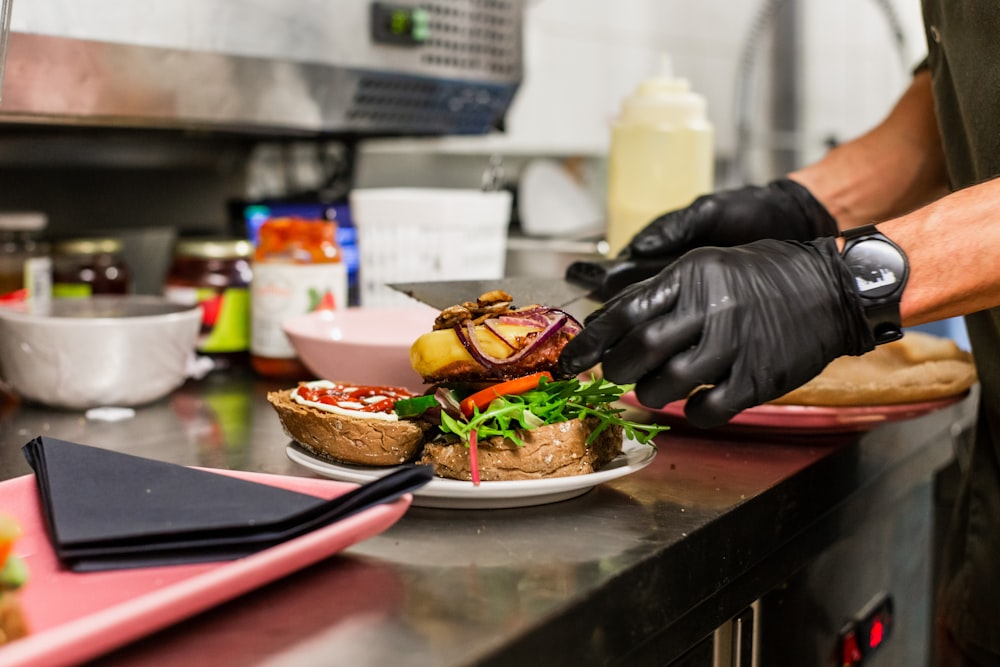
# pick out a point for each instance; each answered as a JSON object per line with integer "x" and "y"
{"x": 552, "y": 450}
{"x": 371, "y": 442}
{"x": 919, "y": 367}
{"x": 12, "y": 623}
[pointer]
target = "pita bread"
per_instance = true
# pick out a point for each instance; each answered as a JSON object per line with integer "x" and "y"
{"x": 919, "y": 367}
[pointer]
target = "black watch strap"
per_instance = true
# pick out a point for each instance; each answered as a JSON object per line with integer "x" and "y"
{"x": 880, "y": 270}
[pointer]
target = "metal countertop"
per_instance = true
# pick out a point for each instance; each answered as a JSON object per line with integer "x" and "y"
{"x": 634, "y": 571}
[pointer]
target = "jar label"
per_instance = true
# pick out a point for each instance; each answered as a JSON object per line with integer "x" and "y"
{"x": 225, "y": 316}
{"x": 282, "y": 291}
{"x": 38, "y": 279}
{"x": 72, "y": 290}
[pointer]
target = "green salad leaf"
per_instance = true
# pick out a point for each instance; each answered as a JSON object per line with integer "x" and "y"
{"x": 551, "y": 402}
{"x": 13, "y": 574}
{"x": 414, "y": 407}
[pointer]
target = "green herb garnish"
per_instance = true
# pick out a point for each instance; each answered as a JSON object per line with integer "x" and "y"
{"x": 552, "y": 402}
{"x": 414, "y": 407}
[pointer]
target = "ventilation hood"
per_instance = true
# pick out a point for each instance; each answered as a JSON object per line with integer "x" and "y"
{"x": 273, "y": 67}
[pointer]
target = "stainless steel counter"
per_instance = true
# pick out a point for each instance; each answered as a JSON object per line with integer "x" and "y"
{"x": 633, "y": 572}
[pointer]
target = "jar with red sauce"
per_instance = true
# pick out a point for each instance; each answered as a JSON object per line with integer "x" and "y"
{"x": 298, "y": 268}
{"x": 87, "y": 266}
{"x": 215, "y": 273}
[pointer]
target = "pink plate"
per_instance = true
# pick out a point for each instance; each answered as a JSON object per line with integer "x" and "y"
{"x": 807, "y": 419}
{"x": 75, "y": 617}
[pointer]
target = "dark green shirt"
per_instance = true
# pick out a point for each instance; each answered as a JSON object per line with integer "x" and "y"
{"x": 963, "y": 38}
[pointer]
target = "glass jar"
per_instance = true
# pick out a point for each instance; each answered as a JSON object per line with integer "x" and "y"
{"x": 297, "y": 269}
{"x": 216, "y": 274}
{"x": 24, "y": 254}
{"x": 86, "y": 266}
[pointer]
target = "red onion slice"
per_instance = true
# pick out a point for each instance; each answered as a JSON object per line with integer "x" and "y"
{"x": 491, "y": 327}
{"x": 467, "y": 336}
{"x": 474, "y": 457}
{"x": 449, "y": 403}
{"x": 522, "y": 322}
{"x": 530, "y": 310}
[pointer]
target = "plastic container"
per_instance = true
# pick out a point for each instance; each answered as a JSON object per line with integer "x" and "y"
{"x": 84, "y": 267}
{"x": 24, "y": 255}
{"x": 411, "y": 234}
{"x": 216, "y": 274}
{"x": 298, "y": 268}
{"x": 661, "y": 156}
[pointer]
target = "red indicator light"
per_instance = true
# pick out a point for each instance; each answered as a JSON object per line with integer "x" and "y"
{"x": 850, "y": 652}
{"x": 877, "y": 633}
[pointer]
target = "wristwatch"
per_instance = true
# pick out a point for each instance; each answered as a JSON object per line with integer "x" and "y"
{"x": 880, "y": 270}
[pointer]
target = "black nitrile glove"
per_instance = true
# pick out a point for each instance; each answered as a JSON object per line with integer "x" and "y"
{"x": 782, "y": 209}
{"x": 753, "y": 322}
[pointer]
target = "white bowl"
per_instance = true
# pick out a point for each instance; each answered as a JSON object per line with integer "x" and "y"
{"x": 103, "y": 350}
{"x": 367, "y": 346}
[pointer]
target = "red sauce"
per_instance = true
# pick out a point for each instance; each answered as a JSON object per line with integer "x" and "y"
{"x": 340, "y": 394}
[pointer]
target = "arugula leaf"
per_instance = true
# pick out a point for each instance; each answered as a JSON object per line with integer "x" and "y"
{"x": 552, "y": 402}
{"x": 414, "y": 407}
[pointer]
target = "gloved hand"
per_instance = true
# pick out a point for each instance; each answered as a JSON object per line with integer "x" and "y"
{"x": 782, "y": 209}
{"x": 751, "y": 323}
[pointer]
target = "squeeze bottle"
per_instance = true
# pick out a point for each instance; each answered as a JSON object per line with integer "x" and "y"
{"x": 661, "y": 154}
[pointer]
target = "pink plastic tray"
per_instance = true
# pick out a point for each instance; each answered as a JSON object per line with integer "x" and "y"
{"x": 76, "y": 617}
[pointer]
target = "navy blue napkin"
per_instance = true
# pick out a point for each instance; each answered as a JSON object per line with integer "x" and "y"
{"x": 108, "y": 510}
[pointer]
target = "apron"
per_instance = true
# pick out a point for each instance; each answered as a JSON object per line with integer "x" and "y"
{"x": 963, "y": 38}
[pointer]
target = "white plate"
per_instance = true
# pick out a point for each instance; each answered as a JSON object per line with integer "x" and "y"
{"x": 457, "y": 494}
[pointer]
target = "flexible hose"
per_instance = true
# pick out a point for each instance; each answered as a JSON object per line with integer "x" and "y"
{"x": 761, "y": 24}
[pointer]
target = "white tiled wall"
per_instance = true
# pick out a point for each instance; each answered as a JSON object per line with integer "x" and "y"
{"x": 853, "y": 65}
{"x": 583, "y": 56}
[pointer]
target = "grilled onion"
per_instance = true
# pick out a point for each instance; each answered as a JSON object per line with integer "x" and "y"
{"x": 547, "y": 321}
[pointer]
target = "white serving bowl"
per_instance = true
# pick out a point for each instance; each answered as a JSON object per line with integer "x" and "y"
{"x": 98, "y": 351}
{"x": 369, "y": 346}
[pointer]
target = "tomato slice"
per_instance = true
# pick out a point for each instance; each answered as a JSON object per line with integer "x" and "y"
{"x": 484, "y": 397}
{"x": 9, "y": 532}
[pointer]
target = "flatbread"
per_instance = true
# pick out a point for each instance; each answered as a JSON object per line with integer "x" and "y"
{"x": 919, "y": 367}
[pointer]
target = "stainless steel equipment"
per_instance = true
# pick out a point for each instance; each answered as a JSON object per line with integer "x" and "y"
{"x": 5, "y": 8}
{"x": 586, "y": 285}
{"x": 273, "y": 67}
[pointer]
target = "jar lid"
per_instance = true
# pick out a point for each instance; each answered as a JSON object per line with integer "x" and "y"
{"x": 91, "y": 246}
{"x": 30, "y": 221}
{"x": 214, "y": 248}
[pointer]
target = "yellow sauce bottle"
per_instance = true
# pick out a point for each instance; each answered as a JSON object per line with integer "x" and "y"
{"x": 661, "y": 157}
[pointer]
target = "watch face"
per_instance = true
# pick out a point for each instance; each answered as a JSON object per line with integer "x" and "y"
{"x": 879, "y": 269}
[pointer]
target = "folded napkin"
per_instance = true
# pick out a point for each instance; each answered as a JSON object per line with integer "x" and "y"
{"x": 107, "y": 510}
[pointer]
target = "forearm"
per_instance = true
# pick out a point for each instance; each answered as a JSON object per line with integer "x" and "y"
{"x": 891, "y": 175}
{"x": 953, "y": 246}
{"x": 896, "y": 167}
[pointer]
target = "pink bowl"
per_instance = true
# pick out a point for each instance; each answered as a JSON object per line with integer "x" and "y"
{"x": 369, "y": 346}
